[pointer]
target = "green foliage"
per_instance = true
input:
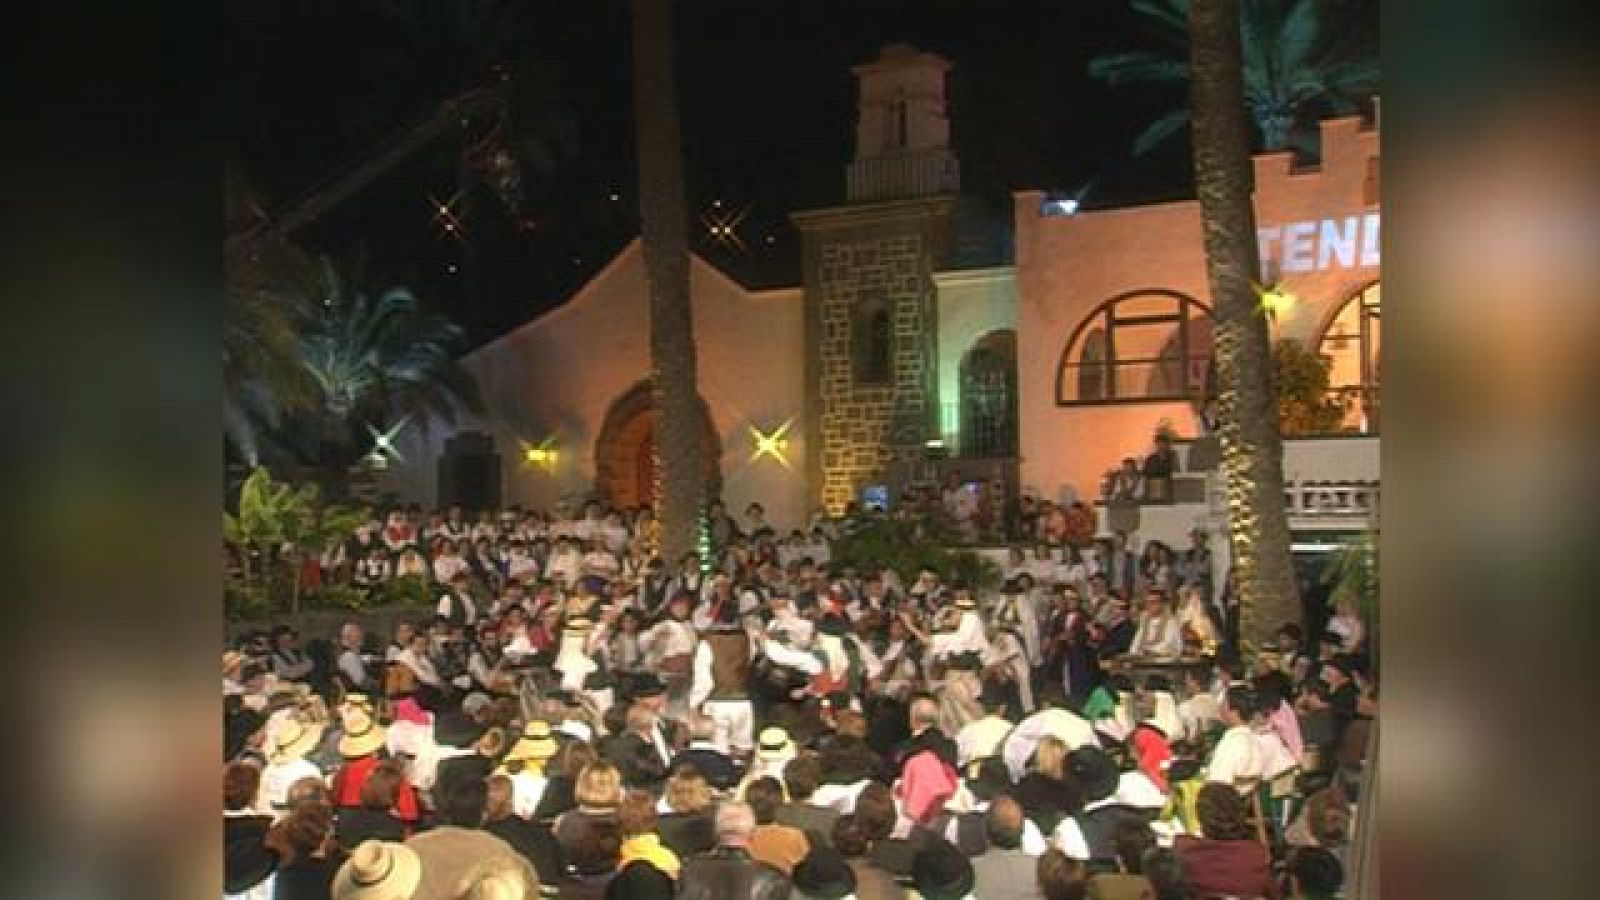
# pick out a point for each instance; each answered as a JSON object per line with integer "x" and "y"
{"x": 1296, "y": 69}
{"x": 1352, "y": 572}
{"x": 909, "y": 545}
{"x": 408, "y": 590}
{"x": 1301, "y": 379}
{"x": 282, "y": 525}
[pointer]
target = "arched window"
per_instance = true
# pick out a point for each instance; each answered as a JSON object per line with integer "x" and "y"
{"x": 989, "y": 397}
{"x": 1143, "y": 345}
{"x": 873, "y": 338}
{"x": 1351, "y": 344}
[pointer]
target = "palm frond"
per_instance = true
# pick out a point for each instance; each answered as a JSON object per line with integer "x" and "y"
{"x": 1160, "y": 130}
{"x": 1126, "y": 68}
{"x": 1170, "y": 17}
{"x": 1299, "y": 35}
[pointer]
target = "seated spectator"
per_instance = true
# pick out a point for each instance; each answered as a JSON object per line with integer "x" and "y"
{"x": 248, "y": 860}
{"x": 1165, "y": 872}
{"x": 1090, "y": 834}
{"x": 730, "y": 872}
{"x": 1004, "y": 871}
{"x": 559, "y": 795}
{"x": 689, "y": 828}
{"x": 374, "y": 819}
{"x": 468, "y": 862}
{"x": 1226, "y": 858}
{"x": 642, "y": 846}
{"x": 634, "y": 751}
{"x": 780, "y": 846}
{"x": 702, "y": 753}
{"x": 309, "y": 855}
{"x": 801, "y": 777}
{"x": 593, "y": 855}
{"x": 294, "y": 737}
{"x": 598, "y": 791}
{"x": 1060, "y": 876}
{"x": 871, "y": 882}
{"x": 823, "y": 875}
{"x": 531, "y": 839}
{"x": 1314, "y": 874}
{"x": 895, "y": 839}
{"x": 941, "y": 872}
{"x": 1132, "y": 839}
{"x": 378, "y": 869}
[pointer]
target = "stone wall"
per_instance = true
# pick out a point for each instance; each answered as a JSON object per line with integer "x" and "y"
{"x": 858, "y": 422}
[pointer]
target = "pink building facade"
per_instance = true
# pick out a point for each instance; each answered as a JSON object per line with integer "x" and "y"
{"x": 1113, "y": 309}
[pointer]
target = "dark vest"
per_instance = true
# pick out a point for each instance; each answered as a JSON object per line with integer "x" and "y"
{"x": 1099, "y": 827}
{"x": 730, "y": 665}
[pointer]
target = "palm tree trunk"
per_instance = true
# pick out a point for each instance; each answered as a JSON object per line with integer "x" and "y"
{"x": 663, "y": 225}
{"x": 1252, "y": 451}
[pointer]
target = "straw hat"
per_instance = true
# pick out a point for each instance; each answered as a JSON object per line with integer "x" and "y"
{"x": 536, "y": 743}
{"x": 774, "y": 744}
{"x": 362, "y": 734}
{"x": 232, "y": 662}
{"x": 378, "y": 870}
{"x": 295, "y": 737}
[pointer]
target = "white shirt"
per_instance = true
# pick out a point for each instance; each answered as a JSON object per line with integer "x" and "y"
{"x": 967, "y": 638}
{"x": 467, "y": 604}
{"x": 1237, "y": 759}
{"x": 419, "y": 664}
{"x": 563, "y": 567}
{"x": 980, "y": 738}
{"x": 1072, "y": 729}
{"x": 668, "y": 638}
{"x": 784, "y": 655}
{"x": 1069, "y": 837}
{"x": 353, "y": 667}
{"x": 602, "y": 563}
{"x": 1197, "y": 713}
{"x": 425, "y": 768}
{"x": 446, "y": 567}
{"x": 278, "y": 777}
{"x": 527, "y": 789}
{"x": 1158, "y": 636}
{"x": 522, "y": 564}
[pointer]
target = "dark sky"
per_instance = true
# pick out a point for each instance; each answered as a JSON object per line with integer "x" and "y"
{"x": 767, "y": 105}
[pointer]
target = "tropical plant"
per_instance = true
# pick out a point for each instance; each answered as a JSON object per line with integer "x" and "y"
{"x": 663, "y": 228}
{"x": 1295, "y": 70}
{"x": 1252, "y": 450}
{"x": 281, "y": 526}
{"x": 1352, "y": 572}
{"x": 378, "y": 362}
{"x": 267, "y": 294}
{"x": 909, "y": 545}
{"x": 1305, "y": 403}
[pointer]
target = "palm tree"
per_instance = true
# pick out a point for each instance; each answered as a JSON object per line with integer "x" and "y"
{"x": 1252, "y": 451}
{"x": 268, "y": 283}
{"x": 664, "y": 224}
{"x": 1295, "y": 70}
{"x": 378, "y": 362}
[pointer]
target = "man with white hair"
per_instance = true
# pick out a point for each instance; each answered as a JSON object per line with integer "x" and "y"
{"x": 352, "y": 667}
{"x": 729, "y": 872}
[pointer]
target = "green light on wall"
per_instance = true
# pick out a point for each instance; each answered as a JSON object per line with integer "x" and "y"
{"x": 950, "y": 422}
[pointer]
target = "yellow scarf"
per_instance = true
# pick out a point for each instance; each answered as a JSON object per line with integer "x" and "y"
{"x": 649, "y": 848}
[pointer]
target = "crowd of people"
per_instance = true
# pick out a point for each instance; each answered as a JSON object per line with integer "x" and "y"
{"x": 576, "y": 717}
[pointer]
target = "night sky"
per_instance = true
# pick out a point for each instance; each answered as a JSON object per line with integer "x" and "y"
{"x": 767, "y": 105}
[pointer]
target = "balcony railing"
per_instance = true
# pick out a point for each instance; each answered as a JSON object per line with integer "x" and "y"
{"x": 919, "y": 174}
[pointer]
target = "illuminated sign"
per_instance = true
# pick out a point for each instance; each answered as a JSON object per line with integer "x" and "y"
{"x": 1316, "y": 246}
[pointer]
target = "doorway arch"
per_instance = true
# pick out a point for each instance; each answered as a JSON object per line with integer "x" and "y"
{"x": 624, "y": 453}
